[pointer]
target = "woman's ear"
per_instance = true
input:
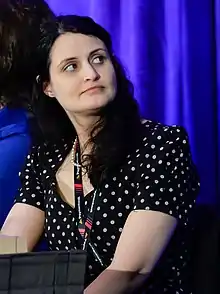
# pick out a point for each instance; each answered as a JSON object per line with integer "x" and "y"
{"x": 48, "y": 89}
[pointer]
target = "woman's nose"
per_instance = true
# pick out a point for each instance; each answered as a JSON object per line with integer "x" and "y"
{"x": 90, "y": 73}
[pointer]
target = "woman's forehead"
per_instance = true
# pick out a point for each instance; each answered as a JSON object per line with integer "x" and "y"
{"x": 74, "y": 45}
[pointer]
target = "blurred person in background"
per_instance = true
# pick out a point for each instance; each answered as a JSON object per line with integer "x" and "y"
{"x": 19, "y": 30}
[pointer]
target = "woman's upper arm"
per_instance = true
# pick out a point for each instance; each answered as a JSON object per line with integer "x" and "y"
{"x": 25, "y": 221}
{"x": 26, "y": 218}
{"x": 165, "y": 195}
{"x": 144, "y": 236}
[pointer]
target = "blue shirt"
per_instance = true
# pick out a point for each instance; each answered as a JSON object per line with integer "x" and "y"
{"x": 14, "y": 146}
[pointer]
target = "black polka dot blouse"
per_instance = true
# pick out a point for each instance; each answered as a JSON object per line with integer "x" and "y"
{"x": 158, "y": 176}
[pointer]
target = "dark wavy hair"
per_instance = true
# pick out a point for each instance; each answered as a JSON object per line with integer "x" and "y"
{"x": 20, "y": 22}
{"x": 118, "y": 130}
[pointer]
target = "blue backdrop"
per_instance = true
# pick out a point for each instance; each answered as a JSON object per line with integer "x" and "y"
{"x": 170, "y": 51}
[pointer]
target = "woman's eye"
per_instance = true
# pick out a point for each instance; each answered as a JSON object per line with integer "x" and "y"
{"x": 98, "y": 59}
{"x": 70, "y": 67}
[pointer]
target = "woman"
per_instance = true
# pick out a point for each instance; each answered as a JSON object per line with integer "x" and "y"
{"x": 105, "y": 180}
{"x": 17, "y": 19}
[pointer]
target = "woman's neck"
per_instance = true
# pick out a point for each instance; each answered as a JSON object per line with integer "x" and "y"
{"x": 83, "y": 126}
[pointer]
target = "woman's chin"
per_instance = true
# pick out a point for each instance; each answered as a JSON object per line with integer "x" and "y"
{"x": 96, "y": 104}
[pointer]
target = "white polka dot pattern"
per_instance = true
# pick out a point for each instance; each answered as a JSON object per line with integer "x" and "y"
{"x": 171, "y": 185}
{"x": 31, "y": 191}
{"x": 159, "y": 176}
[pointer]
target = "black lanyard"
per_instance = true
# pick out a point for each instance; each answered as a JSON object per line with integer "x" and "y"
{"x": 84, "y": 223}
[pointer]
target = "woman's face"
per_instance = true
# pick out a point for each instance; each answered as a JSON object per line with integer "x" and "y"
{"x": 82, "y": 76}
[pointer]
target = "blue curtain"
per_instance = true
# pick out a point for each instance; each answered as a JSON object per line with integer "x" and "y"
{"x": 170, "y": 51}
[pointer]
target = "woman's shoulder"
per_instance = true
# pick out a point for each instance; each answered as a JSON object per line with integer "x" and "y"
{"x": 164, "y": 171}
{"x": 162, "y": 145}
{"x": 48, "y": 151}
{"x": 156, "y": 135}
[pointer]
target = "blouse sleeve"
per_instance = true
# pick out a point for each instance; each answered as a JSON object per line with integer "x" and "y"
{"x": 31, "y": 191}
{"x": 168, "y": 180}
